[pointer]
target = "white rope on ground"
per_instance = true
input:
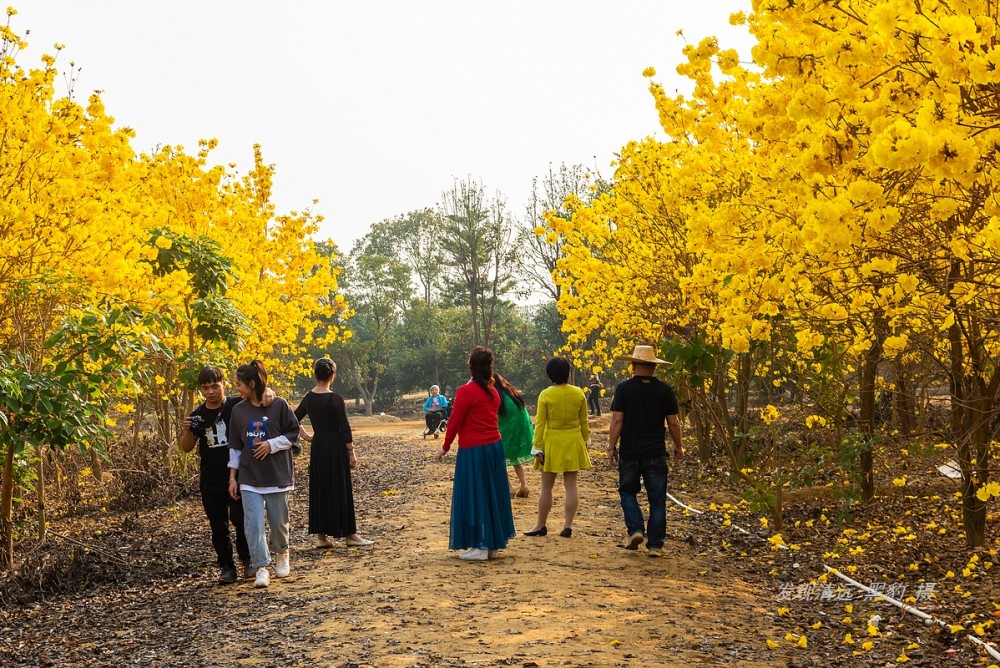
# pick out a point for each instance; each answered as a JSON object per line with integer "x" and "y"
{"x": 928, "y": 619}
{"x": 988, "y": 647}
{"x": 693, "y": 510}
{"x": 702, "y": 512}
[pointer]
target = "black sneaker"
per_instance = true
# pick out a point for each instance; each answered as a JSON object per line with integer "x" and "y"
{"x": 249, "y": 573}
{"x": 228, "y": 575}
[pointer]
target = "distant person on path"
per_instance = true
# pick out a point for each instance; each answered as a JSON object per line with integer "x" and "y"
{"x": 208, "y": 427}
{"x": 261, "y": 471}
{"x": 435, "y": 409}
{"x": 481, "y": 517}
{"x": 642, "y": 410}
{"x": 560, "y": 446}
{"x": 331, "y": 458}
{"x": 594, "y": 395}
{"x": 515, "y": 430}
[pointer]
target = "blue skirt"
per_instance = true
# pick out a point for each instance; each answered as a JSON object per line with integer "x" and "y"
{"x": 481, "y": 516}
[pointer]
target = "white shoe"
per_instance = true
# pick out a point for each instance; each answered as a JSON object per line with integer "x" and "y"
{"x": 281, "y": 566}
{"x": 475, "y": 554}
{"x": 493, "y": 554}
{"x": 321, "y": 540}
{"x": 263, "y": 578}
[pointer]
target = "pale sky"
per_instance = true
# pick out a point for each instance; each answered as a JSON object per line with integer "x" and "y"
{"x": 374, "y": 108}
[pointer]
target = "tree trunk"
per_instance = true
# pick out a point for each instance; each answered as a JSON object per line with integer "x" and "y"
{"x": 7, "y": 508}
{"x": 369, "y": 399}
{"x": 743, "y": 377}
{"x": 777, "y": 513}
{"x": 867, "y": 399}
{"x": 905, "y": 408}
{"x": 869, "y": 374}
{"x": 969, "y": 410}
{"x": 474, "y": 307}
{"x": 40, "y": 487}
{"x": 96, "y": 465}
{"x": 977, "y": 439}
{"x": 702, "y": 431}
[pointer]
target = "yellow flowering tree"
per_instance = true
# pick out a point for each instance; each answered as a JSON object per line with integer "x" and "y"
{"x": 840, "y": 195}
{"x": 83, "y": 222}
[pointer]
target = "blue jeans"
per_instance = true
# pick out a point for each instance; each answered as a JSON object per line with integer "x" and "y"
{"x": 254, "y": 507}
{"x": 653, "y": 473}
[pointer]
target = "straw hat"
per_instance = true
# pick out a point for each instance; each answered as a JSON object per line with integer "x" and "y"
{"x": 643, "y": 354}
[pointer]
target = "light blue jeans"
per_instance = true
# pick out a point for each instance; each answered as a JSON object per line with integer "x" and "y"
{"x": 254, "y": 507}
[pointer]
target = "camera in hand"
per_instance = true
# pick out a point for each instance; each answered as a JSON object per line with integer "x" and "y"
{"x": 198, "y": 426}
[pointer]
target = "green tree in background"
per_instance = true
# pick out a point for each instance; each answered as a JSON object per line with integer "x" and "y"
{"x": 481, "y": 250}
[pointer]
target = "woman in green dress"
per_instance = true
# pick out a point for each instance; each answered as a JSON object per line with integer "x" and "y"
{"x": 515, "y": 430}
{"x": 560, "y": 445}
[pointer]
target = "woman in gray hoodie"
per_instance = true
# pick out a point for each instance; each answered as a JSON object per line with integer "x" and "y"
{"x": 260, "y": 469}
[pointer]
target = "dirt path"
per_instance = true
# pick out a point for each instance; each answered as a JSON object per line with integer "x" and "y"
{"x": 409, "y": 601}
{"x": 548, "y": 601}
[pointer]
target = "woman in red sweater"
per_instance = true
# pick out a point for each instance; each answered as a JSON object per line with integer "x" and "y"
{"x": 481, "y": 517}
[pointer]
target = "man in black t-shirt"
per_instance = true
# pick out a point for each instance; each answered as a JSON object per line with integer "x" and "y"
{"x": 208, "y": 426}
{"x": 642, "y": 410}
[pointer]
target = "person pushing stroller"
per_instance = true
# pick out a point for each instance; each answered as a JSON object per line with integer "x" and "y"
{"x": 435, "y": 410}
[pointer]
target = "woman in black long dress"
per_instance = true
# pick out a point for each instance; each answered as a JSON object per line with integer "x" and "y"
{"x": 331, "y": 458}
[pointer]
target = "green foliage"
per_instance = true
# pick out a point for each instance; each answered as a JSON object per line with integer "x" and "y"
{"x": 437, "y": 344}
{"x": 694, "y": 357}
{"x": 65, "y": 402}
{"x": 849, "y": 491}
{"x": 202, "y": 258}
{"x": 213, "y": 314}
{"x": 189, "y": 365}
{"x": 219, "y": 320}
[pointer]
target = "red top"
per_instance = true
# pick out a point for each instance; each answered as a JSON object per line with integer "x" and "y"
{"x": 473, "y": 417}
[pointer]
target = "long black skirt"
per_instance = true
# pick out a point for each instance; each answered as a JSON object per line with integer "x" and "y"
{"x": 331, "y": 495}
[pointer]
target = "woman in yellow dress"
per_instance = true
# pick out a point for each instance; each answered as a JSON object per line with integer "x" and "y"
{"x": 560, "y": 445}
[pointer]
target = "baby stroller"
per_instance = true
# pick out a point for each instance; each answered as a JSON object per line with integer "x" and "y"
{"x": 437, "y": 422}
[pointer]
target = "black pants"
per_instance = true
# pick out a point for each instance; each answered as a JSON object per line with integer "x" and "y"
{"x": 433, "y": 419}
{"x": 594, "y": 402}
{"x": 221, "y": 510}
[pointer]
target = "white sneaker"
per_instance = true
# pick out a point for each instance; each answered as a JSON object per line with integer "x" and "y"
{"x": 475, "y": 554}
{"x": 281, "y": 566}
{"x": 493, "y": 554}
{"x": 321, "y": 540}
{"x": 263, "y": 578}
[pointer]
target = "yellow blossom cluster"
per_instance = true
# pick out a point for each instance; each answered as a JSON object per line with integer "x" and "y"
{"x": 830, "y": 185}
{"x": 78, "y": 212}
